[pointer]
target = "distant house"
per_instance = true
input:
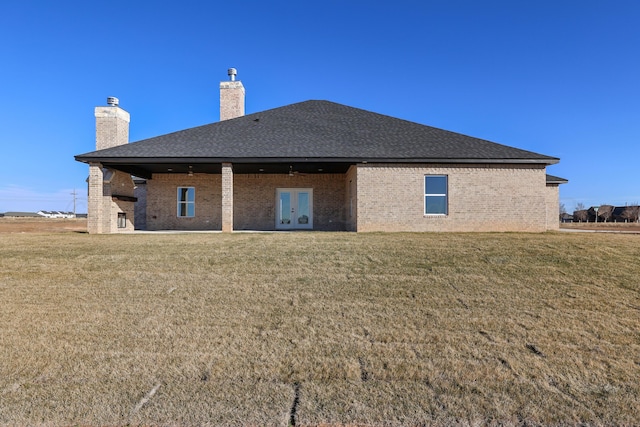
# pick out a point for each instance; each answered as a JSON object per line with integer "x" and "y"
{"x": 56, "y": 214}
{"x": 617, "y": 214}
{"x": 592, "y": 217}
{"x": 566, "y": 217}
{"x": 313, "y": 165}
{"x": 625, "y": 213}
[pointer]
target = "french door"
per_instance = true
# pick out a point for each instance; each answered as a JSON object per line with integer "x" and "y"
{"x": 294, "y": 208}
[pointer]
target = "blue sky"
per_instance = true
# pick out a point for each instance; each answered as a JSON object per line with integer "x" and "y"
{"x": 560, "y": 78}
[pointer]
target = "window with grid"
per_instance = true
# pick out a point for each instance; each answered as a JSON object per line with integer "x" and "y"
{"x": 186, "y": 202}
{"x": 435, "y": 195}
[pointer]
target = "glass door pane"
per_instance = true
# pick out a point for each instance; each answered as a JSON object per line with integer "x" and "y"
{"x": 284, "y": 210}
{"x": 294, "y": 208}
{"x": 302, "y": 215}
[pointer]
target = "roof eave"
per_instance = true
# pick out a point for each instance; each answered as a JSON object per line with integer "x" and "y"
{"x": 200, "y": 160}
{"x": 558, "y": 181}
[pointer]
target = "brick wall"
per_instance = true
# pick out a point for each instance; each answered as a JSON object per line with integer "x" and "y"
{"x": 553, "y": 206}
{"x": 121, "y": 184}
{"x": 95, "y": 199}
{"x": 162, "y": 199}
{"x": 140, "y": 206}
{"x": 481, "y": 198}
{"x": 351, "y": 199}
{"x": 255, "y": 200}
{"x": 385, "y": 198}
{"x": 227, "y": 197}
{"x": 231, "y": 100}
{"x": 102, "y": 209}
{"x": 112, "y": 127}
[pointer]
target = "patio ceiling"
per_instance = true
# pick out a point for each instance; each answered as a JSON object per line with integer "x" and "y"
{"x": 146, "y": 170}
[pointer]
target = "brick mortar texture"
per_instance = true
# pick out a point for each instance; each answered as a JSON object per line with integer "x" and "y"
{"x": 112, "y": 129}
{"x": 95, "y": 198}
{"x": 254, "y": 201}
{"x": 227, "y": 197}
{"x": 481, "y": 198}
{"x": 231, "y": 100}
{"x": 385, "y": 198}
{"x": 553, "y": 207}
{"x": 351, "y": 199}
{"x": 162, "y": 202}
{"x": 121, "y": 185}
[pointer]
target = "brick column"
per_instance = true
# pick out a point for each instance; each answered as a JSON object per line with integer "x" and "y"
{"x": 95, "y": 204}
{"x": 227, "y": 197}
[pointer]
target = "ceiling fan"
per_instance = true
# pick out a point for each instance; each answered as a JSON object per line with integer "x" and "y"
{"x": 295, "y": 173}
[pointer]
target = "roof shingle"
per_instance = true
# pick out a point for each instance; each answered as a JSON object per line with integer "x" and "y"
{"x": 316, "y": 131}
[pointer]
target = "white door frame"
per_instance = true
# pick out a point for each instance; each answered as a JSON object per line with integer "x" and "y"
{"x": 300, "y": 216}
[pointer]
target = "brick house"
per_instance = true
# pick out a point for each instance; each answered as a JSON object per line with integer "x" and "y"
{"x": 313, "y": 165}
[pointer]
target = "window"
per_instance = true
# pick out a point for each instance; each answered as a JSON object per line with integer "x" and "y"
{"x": 186, "y": 202}
{"x": 122, "y": 220}
{"x": 435, "y": 195}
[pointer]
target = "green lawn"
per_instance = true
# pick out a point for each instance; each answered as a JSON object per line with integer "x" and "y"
{"x": 319, "y": 328}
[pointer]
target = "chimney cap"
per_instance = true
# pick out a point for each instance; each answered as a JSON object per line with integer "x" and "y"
{"x": 112, "y": 101}
{"x": 232, "y": 72}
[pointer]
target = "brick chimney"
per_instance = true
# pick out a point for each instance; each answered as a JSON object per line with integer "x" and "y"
{"x": 105, "y": 211}
{"x": 231, "y": 97}
{"x": 112, "y": 125}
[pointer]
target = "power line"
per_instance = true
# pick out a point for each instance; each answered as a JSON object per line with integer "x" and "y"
{"x": 74, "y": 194}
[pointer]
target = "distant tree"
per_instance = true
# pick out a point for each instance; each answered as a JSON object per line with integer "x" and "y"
{"x": 580, "y": 207}
{"x": 563, "y": 209}
{"x": 631, "y": 213}
{"x": 581, "y": 215}
{"x": 605, "y": 212}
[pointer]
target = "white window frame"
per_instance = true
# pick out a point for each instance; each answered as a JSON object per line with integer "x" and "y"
{"x": 294, "y": 224}
{"x": 186, "y": 203}
{"x": 445, "y": 195}
{"x": 122, "y": 220}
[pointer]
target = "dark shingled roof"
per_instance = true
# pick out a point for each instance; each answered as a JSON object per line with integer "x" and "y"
{"x": 556, "y": 180}
{"x": 314, "y": 131}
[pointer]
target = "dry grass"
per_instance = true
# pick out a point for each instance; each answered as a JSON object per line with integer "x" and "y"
{"x": 623, "y": 227}
{"x": 41, "y": 225}
{"x": 319, "y": 328}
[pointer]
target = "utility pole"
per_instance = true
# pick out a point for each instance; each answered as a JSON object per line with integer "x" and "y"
{"x": 74, "y": 194}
